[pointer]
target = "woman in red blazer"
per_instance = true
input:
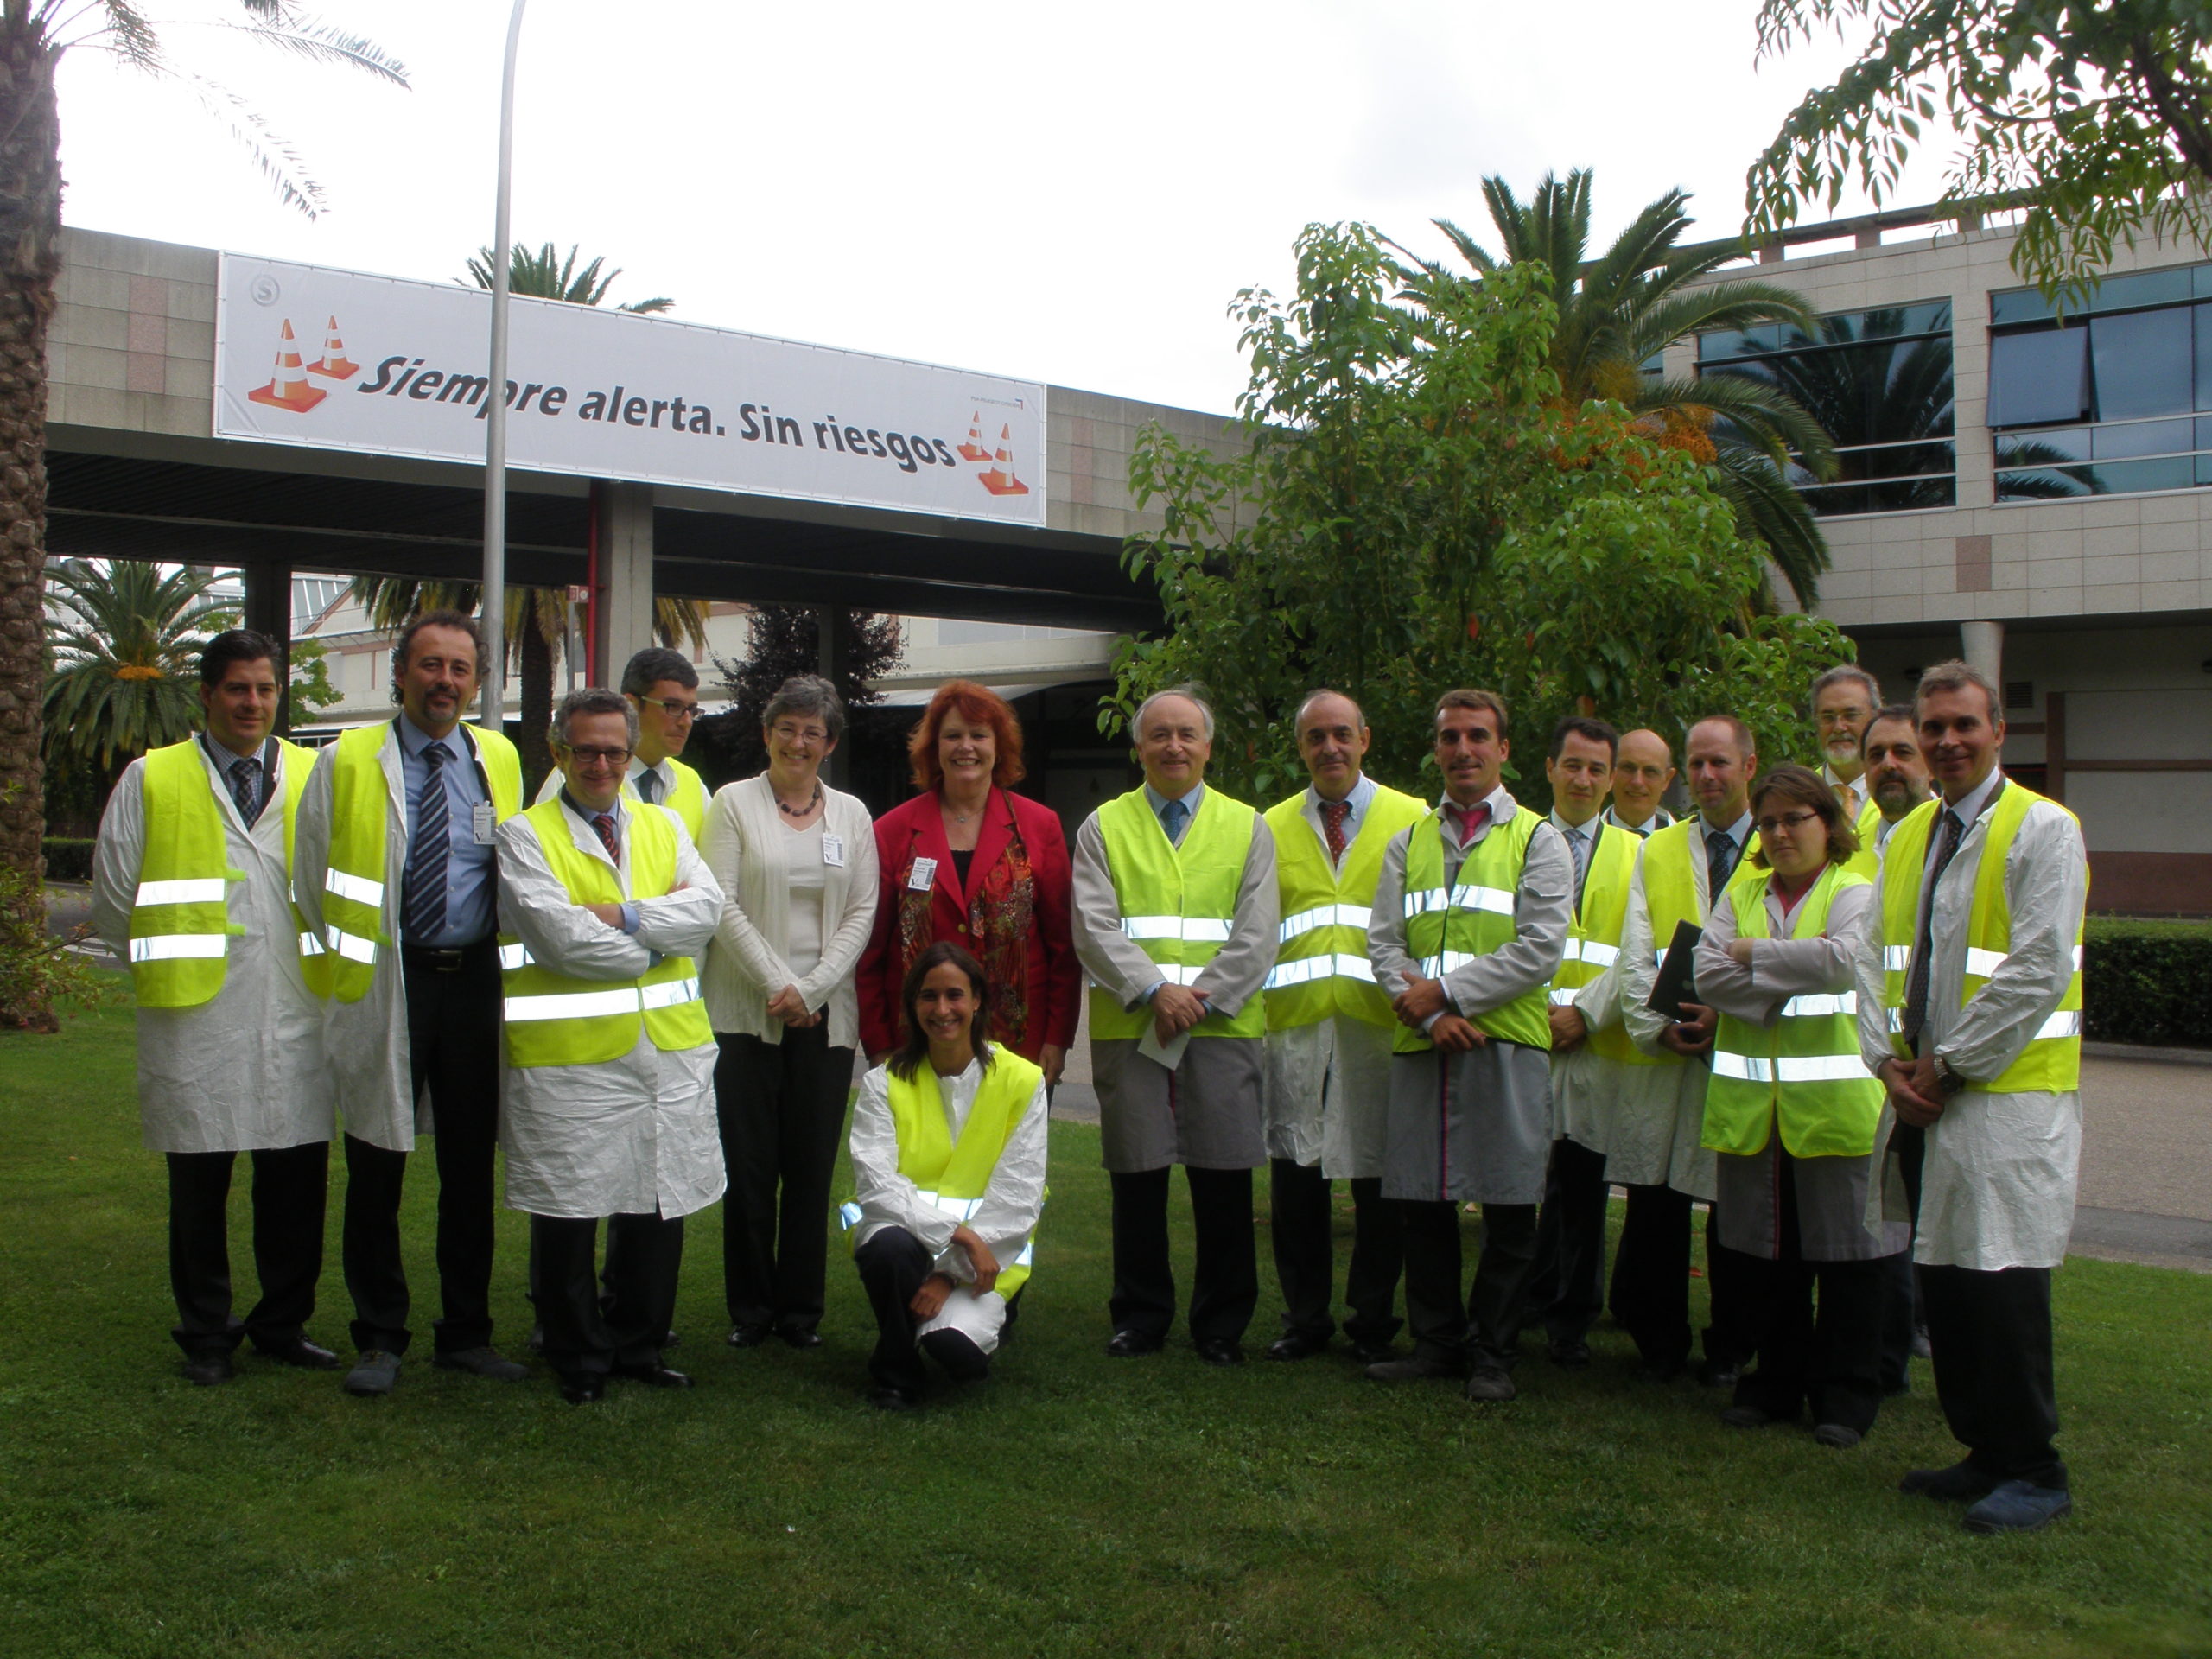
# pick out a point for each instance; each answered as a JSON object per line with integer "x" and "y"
{"x": 970, "y": 861}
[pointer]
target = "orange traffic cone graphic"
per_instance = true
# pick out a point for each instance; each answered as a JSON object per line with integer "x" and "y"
{"x": 288, "y": 388}
{"x": 335, "y": 364}
{"x": 973, "y": 449}
{"x": 998, "y": 477}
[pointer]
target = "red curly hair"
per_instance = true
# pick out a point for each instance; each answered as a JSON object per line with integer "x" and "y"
{"x": 974, "y": 702}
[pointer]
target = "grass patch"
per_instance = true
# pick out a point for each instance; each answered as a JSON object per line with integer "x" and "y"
{"x": 1076, "y": 1505}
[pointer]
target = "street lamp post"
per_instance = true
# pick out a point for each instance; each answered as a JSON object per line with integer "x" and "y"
{"x": 495, "y": 426}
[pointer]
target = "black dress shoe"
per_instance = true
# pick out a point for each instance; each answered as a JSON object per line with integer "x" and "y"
{"x": 1574, "y": 1353}
{"x": 890, "y": 1399}
{"x": 798, "y": 1338}
{"x": 303, "y": 1353}
{"x": 1373, "y": 1352}
{"x": 584, "y": 1390}
{"x": 747, "y": 1336}
{"x": 1220, "y": 1351}
{"x": 654, "y": 1376}
{"x": 1127, "y": 1344}
{"x": 536, "y": 1343}
{"x": 1720, "y": 1373}
{"x": 209, "y": 1370}
{"x": 1418, "y": 1368}
{"x": 1297, "y": 1345}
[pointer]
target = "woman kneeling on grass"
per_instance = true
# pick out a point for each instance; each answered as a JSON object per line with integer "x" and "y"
{"x": 948, "y": 1147}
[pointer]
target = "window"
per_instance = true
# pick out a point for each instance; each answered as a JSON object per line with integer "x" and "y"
{"x": 2103, "y": 401}
{"x": 1880, "y": 382}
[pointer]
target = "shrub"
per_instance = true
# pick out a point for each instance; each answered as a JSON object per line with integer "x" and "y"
{"x": 2148, "y": 982}
{"x": 68, "y": 858}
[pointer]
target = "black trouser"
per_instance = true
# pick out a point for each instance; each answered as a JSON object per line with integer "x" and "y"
{"x": 291, "y": 1185}
{"x": 893, "y": 1265}
{"x": 1302, "y": 1222}
{"x": 1225, "y": 1280}
{"x": 1567, "y": 1287}
{"x": 1830, "y": 1359}
{"x": 782, "y": 1106}
{"x": 1483, "y": 1325}
{"x": 585, "y": 1337}
{"x": 1991, "y": 1334}
{"x": 1650, "y": 1294}
{"x": 1729, "y": 1339}
{"x": 1901, "y": 1315}
{"x": 453, "y": 1044}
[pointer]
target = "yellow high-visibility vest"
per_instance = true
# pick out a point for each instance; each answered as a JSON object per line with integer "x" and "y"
{"x": 1865, "y": 862}
{"x": 1177, "y": 901}
{"x": 1670, "y": 889}
{"x": 554, "y": 1019}
{"x": 1448, "y": 927}
{"x": 1321, "y": 966}
{"x": 1594, "y": 938}
{"x": 1804, "y": 1071}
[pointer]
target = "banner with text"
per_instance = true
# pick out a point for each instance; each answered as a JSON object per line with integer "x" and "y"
{"x": 336, "y": 360}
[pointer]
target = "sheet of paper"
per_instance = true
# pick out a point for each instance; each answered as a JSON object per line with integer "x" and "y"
{"x": 1168, "y": 1054}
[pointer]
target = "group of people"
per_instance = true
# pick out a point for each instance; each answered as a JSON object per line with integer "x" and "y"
{"x": 652, "y": 1000}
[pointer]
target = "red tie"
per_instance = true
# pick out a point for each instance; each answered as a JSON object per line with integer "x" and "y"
{"x": 1471, "y": 820}
{"x": 1333, "y": 814}
{"x": 605, "y": 824}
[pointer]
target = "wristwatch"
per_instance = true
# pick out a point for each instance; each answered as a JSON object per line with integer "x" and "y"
{"x": 1946, "y": 1079}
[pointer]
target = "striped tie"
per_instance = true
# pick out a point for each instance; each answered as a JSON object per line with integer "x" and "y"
{"x": 246, "y": 788}
{"x": 422, "y": 887}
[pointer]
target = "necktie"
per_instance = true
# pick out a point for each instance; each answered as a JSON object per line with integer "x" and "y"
{"x": 649, "y": 787}
{"x": 1333, "y": 814}
{"x": 1171, "y": 818}
{"x": 1915, "y": 986}
{"x": 1578, "y": 842}
{"x": 422, "y": 887}
{"x": 605, "y": 824}
{"x": 246, "y": 788}
{"x": 1720, "y": 864}
{"x": 1849, "y": 795}
{"x": 1470, "y": 820}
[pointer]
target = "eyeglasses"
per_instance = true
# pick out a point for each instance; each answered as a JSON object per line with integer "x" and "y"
{"x": 672, "y": 708}
{"x": 789, "y": 733}
{"x": 599, "y": 757}
{"x": 1793, "y": 822}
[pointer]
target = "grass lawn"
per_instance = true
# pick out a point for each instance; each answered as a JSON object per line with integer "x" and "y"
{"x": 1077, "y": 1504}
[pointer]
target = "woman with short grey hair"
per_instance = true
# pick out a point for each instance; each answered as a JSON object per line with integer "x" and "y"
{"x": 796, "y": 863}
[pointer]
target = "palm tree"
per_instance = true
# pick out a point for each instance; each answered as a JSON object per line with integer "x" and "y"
{"x": 34, "y": 35}
{"x": 125, "y": 637}
{"x": 540, "y": 277}
{"x": 389, "y": 602}
{"x": 1619, "y": 311}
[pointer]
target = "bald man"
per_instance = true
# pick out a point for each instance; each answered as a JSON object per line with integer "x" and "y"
{"x": 1643, "y": 773}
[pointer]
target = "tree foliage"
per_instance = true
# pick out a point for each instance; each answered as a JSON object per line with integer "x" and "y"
{"x": 2097, "y": 117}
{"x": 126, "y": 638}
{"x": 1420, "y": 508}
{"x": 784, "y": 640}
{"x": 545, "y": 275}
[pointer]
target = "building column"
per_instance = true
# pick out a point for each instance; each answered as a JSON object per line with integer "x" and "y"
{"x": 625, "y": 624}
{"x": 1983, "y": 644}
{"x": 832, "y": 650}
{"x": 269, "y": 610}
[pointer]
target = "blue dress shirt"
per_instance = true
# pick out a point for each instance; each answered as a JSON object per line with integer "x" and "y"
{"x": 471, "y": 870}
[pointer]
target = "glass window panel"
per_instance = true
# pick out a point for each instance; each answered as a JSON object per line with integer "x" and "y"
{"x": 2203, "y": 284}
{"x": 2204, "y": 353}
{"x": 2145, "y": 287}
{"x": 2143, "y": 438}
{"x": 2052, "y": 443}
{"x": 2177, "y": 473}
{"x": 2142, "y": 364}
{"x": 1911, "y": 494}
{"x": 2204, "y": 469}
{"x": 2204, "y": 434}
{"x": 2017, "y": 305}
{"x": 1896, "y": 460}
{"x": 2043, "y": 484}
{"x": 2039, "y": 377}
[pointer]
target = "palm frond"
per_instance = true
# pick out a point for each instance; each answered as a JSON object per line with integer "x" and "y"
{"x": 1770, "y": 511}
{"x": 276, "y": 26}
{"x": 1773, "y": 422}
{"x": 272, "y": 154}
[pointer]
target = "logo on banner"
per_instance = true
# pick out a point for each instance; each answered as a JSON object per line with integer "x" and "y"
{"x": 998, "y": 478}
{"x": 289, "y": 387}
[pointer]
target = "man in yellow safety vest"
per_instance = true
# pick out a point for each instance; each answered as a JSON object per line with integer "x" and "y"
{"x": 395, "y": 875}
{"x": 1970, "y": 1012}
{"x": 1844, "y": 700}
{"x": 663, "y": 687}
{"x": 1175, "y": 919}
{"x": 610, "y": 1107}
{"x": 1470, "y": 922}
{"x": 1329, "y": 1025}
{"x": 192, "y": 887}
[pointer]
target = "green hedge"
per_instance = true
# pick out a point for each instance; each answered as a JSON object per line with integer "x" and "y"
{"x": 2148, "y": 982}
{"x": 68, "y": 858}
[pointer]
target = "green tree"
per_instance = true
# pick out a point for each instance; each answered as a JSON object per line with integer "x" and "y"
{"x": 1420, "y": 507}
{"x": 545, "y": 276}
{"x": 125, "y": 637}
{"x": 2097, "y": 118}
{"x": 35, "y": 36}
{"x": 786, "y": 639}
{"x": 1619, "y": 311}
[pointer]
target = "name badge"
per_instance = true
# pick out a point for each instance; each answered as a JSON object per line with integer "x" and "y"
{"x": 922, "y": 876}
{"x": 480, "y": 822}
{"x": 833, "y": 851}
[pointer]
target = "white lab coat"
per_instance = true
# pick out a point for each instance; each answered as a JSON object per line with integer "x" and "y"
{"x": 371, "y": 1068}
{"x": 1999, "y": 1175}
{"x": 1004, "y": 1219}
{"x": 245, "y": 1071}
{"x": 627, "y": 1136}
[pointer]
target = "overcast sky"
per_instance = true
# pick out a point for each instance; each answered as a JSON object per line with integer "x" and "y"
{"x": 1066, "y": 194}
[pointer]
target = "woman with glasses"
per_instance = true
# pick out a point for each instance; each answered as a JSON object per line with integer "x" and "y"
{"x": 796, "y": 863}
{"x": 1791, "y": 1112}
{"x": 969, "y": 863}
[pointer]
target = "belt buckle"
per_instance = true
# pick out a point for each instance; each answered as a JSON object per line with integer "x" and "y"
{"x": 445, "y": 958}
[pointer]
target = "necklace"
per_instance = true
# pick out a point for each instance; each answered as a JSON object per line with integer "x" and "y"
{"x": 958, "y": 818}
{"x": 801, "y": 811}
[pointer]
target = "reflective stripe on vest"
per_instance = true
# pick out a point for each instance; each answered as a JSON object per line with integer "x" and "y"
{"x": 1178, "y": 901}
{"x": 1469, "y": 922}
{"x": 1321, "y": 964}
{"x": 180, "y": 926}
{"x": 1594, "y": 938}
{"x": 1805, "y": 1070}
{"x": 357, "y": 924}
{"x": 2051, "y": 1061}
{"x": 1670, "y": 891}
{"x": 555, "y": 1019}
